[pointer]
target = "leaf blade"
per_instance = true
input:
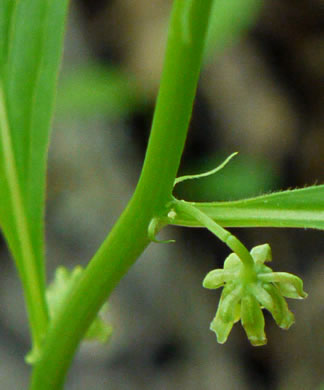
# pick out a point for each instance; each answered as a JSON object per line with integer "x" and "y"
{"x": 300, "y": 208}
{"x": 30, "y": 52}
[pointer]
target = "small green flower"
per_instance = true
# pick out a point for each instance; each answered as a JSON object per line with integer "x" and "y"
{"x": 249, "y": 290}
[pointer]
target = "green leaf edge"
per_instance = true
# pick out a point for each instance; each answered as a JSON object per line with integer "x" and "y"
{"x": 299, "y": 208}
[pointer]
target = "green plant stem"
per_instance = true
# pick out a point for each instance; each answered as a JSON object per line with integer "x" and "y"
{"x": 184, "y": 208}
{"x": 26, "y": 262}
{"x": 129, "y": 237}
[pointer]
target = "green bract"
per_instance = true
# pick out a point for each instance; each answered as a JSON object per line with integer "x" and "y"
{"x": 247, "y": 291}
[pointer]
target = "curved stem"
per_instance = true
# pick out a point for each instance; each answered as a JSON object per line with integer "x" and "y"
{"x": 129, "y": 236}
{"x": 183, "y": 208}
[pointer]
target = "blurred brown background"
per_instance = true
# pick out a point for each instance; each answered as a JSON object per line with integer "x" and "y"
{"x": 260, "y": 94}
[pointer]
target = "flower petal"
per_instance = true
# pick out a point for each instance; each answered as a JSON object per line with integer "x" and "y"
{"x": 230, "y": 297}
{"x": 232, "y": 262}
{"x": 237, "y": 312}
{"x": 253, "y": 320}
{"x": 261, "y": 253}
{"x": 221, "y": 328}
{"x": 290, "y": 286}
{"x": 280, "y": 312}
{"x": 227, "y": 312}
{"x": 217, "y": 278}
{"x": 263, "y": 297}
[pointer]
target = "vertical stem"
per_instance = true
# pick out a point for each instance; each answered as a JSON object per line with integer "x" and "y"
{"x": 186, "y": 39}
{"x": 129, "y": 237}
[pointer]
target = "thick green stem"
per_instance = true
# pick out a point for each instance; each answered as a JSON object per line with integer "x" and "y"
{"x": 129, "y": 237}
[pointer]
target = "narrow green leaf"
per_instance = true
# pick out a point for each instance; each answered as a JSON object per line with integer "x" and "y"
{"x": 6, "y": 10}
{"x": 30, "y": 51}
{"x": 300, "y": 208}
{"x": 29, "y": 81}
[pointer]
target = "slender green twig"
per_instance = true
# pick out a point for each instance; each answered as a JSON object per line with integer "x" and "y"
{"x": 129, "y": 237}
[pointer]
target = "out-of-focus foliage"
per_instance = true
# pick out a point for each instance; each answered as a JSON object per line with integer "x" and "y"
{"x": 92, "y": 90}
{"x": 229, "y": 20}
